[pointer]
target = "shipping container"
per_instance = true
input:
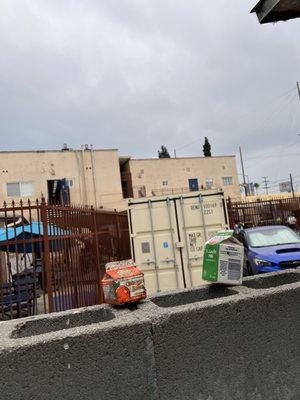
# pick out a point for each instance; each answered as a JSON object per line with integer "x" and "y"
{"x": 168, "y": 236}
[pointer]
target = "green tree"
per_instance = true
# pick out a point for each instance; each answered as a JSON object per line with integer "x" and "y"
{"x": 206, "y": 148}
{"x": 163, "y": 152}
{"x": 256, "y": 185}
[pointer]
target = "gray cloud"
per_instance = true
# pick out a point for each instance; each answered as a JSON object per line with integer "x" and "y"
{"x": 135, "y": 74}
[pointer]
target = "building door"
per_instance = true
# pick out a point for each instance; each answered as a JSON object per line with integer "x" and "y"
{"x": 193, "y": 185}
{"x": 58, "y": 191}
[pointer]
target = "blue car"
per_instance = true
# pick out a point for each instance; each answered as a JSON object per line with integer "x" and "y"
{"x": 270, "y": 249}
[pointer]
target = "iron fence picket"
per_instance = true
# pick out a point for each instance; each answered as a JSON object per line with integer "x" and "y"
{"x": 72, "y": 243}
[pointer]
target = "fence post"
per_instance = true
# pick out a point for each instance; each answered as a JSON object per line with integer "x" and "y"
{"x": 46, "y": 255}
{"x": 230, "y": 213}
{"x": 281, "y": 212}
{"x": 99, "y": 267}
{"x": 119, "y": 236}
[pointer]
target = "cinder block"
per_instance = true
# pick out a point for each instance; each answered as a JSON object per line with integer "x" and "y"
{"x": 273, "y": 280}
{"x": 207, "y": 343}
{"x": 239, "y": 347}
{"x": 89, "y": 354}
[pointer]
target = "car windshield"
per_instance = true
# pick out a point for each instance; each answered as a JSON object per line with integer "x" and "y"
{"x": 272, "y": 237}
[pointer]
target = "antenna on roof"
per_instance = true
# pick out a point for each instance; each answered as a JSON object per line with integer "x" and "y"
{"x": 65, "y": 147}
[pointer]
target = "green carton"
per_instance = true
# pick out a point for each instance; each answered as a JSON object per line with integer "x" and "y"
{"x": 223, "y": 259}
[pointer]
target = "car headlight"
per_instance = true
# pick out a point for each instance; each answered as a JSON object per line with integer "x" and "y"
{"x": 261, "y": 263}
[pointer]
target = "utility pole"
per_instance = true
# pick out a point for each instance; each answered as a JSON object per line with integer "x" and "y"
{"x": 292, "y": 185}
{"x": 243, "y": 171}
{"x": 175, "y": 155}
{"x": 266, "y": 184}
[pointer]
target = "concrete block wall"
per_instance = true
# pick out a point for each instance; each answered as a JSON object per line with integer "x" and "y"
{"x": 207, "y": 343}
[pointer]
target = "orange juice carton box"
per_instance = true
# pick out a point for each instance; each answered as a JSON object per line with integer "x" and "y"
{"x": 123, "y": 283}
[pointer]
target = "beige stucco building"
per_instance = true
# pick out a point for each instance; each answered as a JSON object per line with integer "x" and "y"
{"x": 102, "y": 178}
{"x": 91, "y": 176}
{"x": 155, "y": 177}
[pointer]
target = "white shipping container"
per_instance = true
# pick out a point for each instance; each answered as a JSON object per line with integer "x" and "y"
{"x": 168, "y": 236}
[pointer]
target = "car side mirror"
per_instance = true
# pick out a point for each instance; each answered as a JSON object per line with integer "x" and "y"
{"x": 241, "y": 238}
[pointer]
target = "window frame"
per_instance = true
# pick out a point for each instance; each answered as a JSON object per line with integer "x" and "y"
{"x": 209, "y": 186}
{"x": 23, "y": 191}
{"x": 227, "y": 180}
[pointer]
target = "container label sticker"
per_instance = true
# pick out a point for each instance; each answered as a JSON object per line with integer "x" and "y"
{"x": 195, "y": 242}
{"x": 145, "y": 247}
{"x": 208, "y": 208}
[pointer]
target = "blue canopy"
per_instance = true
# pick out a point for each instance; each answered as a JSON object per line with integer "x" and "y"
{"x": 33, "y": 230}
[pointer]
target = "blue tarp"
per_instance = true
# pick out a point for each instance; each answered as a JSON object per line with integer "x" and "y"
{"x": 33, "y": 230}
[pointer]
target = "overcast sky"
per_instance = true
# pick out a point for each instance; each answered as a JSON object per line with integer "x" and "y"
{"x": 135, "y": 74}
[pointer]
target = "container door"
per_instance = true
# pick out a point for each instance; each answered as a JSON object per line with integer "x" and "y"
{"x": 156, "y": 246}
{"x": 199, "y": 218}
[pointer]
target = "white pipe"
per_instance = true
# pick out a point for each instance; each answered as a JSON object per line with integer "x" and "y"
{"x": 84, "y": 175}
{"x": 94, "y": 175}
{"x": 79, "y": 175}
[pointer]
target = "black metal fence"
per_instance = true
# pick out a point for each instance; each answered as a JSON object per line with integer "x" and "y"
{"x": 52, "y": 257}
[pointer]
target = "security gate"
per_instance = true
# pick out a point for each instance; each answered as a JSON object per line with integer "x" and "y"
{"x": 168, "y": 236}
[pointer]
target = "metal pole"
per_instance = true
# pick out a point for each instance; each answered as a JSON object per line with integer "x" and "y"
{"x": 266, "y": 182}
{"x": 84, "y": 175}
{"x": 173, "y": 242}
{"x": 154, "y": 246}
{"x": 46, "y": 255}
{"x": 203, "y": 217}
{"x": 100, "y": 268}
{"x": 292, "y": 186}
{"x": 243, "y": 171}
{"x": 94, "y": 175}
{"x": 186, "y": 239}
{"x": 79, "y": 174}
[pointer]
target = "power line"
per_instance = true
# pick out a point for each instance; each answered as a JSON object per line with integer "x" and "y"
{"x": 275, "y": 181}
{"x": 189, "y": 144}
{"x": 272, "y": 156}
{"x": 276, "y": 111}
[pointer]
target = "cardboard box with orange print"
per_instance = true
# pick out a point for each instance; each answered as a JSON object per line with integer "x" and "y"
{"x": 123, "y": 283}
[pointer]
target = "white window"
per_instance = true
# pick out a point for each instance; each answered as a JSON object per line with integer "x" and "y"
{"x": 20, "y": 189}
{"x": 165, "y": 183}
{"x": 227, "y": 180}
{"x": 141, "y": 191}
{"x": 209, "y": 183}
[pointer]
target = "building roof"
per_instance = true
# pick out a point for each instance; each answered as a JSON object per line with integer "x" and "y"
{"x": 50, "y": 151}
{"x": 179, "y": 158}
{"x": 276, "y": 10}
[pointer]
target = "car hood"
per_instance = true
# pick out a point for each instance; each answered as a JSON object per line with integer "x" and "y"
{"x": 279, "y": 253}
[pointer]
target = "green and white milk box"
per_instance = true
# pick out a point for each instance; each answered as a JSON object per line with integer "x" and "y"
{"x": 223, "y": 259}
